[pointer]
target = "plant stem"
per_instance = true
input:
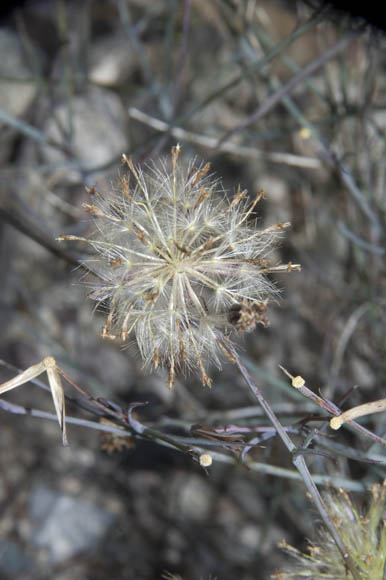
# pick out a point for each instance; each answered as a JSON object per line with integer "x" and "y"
{"x": 297, "y": 459}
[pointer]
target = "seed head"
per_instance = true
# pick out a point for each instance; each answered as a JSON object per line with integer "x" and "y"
{"x": 179, "y": 263}
{"x": 363, "y": 534}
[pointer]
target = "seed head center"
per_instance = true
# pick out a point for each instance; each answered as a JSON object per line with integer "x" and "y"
{"x": 179, "y": 265}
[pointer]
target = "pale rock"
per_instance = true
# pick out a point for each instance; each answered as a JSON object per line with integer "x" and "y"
{"x": 15, "y": 97}
{"x": 64, "y": 525}
{"x": 362, "y": 373}
{"x": 98, "y": 131}
{"x": 110, "y": 61}
{"x": 192, "y": 498}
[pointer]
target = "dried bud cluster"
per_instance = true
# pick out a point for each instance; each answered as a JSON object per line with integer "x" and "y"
{"x": 179, "y": 263}
{"x": 363, "y": 534}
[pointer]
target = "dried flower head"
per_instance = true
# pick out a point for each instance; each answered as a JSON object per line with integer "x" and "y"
{"x": 179, "y": 262}
{"x": 111, "y": 442}
{"x": 364, "y": 536}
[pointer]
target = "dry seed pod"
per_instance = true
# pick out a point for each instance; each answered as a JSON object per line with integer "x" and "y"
{"x": 174, "y": 255}
{"x": 363, "y": 532}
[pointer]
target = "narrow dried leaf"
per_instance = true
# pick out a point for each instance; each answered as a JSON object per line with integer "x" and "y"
{"x": 359, "y": 411}
{"x": 57, "y": 394}
{"x": 49, "y": 365}
{"x": 27, "y": 375}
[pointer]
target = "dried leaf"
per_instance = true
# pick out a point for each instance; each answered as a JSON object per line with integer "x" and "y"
{"x": 359, "y": 411}
{"x": 57, "y": 394}
{"x": 49, "y": 365}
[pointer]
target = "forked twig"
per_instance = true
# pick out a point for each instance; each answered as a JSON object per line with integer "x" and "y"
{"x": 299, "y": 384}
{"x": 297, "y": 460}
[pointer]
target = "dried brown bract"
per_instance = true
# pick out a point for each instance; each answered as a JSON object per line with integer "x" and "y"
{"x": 112, "y": 442}
{"x": 246, "y": 315}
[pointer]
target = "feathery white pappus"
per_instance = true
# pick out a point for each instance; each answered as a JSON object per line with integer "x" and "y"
{"x": 179, "y": 262}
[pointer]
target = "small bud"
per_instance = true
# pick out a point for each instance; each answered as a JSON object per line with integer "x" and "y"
{"x": 298, "y": 382}
{"x": 305, "y": 133}
{"x": 336, "y": 422}
{"x": 206, "y": 460}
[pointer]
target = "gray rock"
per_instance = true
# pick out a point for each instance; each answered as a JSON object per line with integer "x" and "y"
{"x": 98, "y": 121}
{"x": 15, "y": 97}
{"x": 65, "y": 526}
{"x": 110, "y": 60}
{"x": 12, "y": 558}
{"x": 191, "y": 497}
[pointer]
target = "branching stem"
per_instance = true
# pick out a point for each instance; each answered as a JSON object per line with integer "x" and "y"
{"x": 297, "y": 460}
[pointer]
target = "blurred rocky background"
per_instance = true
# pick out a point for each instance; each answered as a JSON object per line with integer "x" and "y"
{"x": 284, "y": 96}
